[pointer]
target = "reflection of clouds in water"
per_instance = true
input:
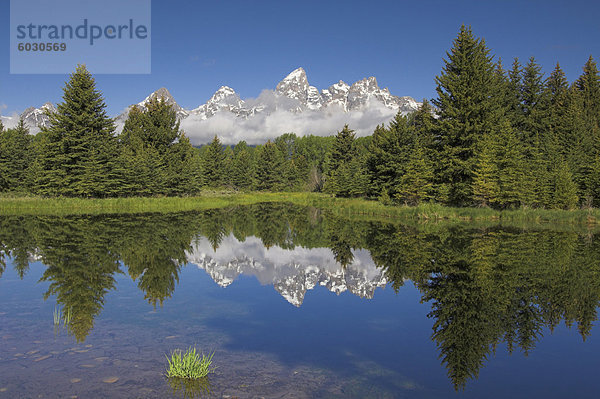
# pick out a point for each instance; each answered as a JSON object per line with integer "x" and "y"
{"x": 270, "y": 265}
{"x": 291, "y": 272}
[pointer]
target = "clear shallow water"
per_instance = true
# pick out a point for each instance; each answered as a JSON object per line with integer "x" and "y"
{"x": 413, "y": 311}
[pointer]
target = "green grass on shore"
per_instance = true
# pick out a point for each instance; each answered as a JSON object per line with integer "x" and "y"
{"x": 338, "y": 206}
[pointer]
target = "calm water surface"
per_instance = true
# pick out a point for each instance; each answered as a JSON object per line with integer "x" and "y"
{"x": 296, "y": 303}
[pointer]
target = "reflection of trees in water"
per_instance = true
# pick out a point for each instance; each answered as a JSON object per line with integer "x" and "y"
{"x": 487, "y": 286}
{"x": 492, "y": 286}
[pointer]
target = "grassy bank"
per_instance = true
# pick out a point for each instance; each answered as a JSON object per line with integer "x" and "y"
{"x": 338, "y": 206}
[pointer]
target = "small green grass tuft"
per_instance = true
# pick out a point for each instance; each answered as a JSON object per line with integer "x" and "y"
{"x": 189, "y": 364}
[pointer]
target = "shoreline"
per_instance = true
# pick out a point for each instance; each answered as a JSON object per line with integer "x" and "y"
{"x": 16, "y": 205}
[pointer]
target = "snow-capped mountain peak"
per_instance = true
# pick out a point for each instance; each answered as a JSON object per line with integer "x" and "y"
{"x": 163, "y": 94}
{"x": 295, "y": 86}
{"x": 36, "y": 118}
{"x": 223, "y": 92}
{"x": 224, "y": 99}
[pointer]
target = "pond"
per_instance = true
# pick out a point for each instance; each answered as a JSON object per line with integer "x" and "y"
{"x": 296, "y": 303}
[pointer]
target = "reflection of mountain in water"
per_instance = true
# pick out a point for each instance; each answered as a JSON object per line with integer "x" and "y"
{"x": 292, "y": 272}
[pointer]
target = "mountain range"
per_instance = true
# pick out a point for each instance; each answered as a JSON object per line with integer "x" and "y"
{"x": 293, "y": 96}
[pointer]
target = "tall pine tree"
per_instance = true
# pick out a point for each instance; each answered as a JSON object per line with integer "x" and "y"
{"x": 15, "y": 157}
{"x": 214, "y": 164}
{"x": 469, "y": 107}
{"x": 79, "y": 151}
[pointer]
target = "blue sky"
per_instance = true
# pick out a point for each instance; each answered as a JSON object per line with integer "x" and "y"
{"x": 198, "y": 46}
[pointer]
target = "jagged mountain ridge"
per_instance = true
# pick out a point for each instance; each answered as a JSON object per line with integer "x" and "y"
{"x": 291, "y": 272}
{"x": 37, "y": 117}
{"x": 293, "y": 94}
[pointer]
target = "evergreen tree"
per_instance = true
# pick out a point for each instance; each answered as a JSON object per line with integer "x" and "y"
{"x": 15, "y": 156}
{"x": 416, "y": 182}
{"x": 214, "y": 164}
{"x": 499, "y": 176}
{"x": 588, "y": 85}
{"x": 536, "y": 169}
{"x": 228, "y": 167}
{"x": 157, "y": 156}
{"x": 565, "y": 189}
{"x": 341, "y": 151}
{"x": 269, "y": 168}
{"x": 509, "y": 164}
{"x": 389, "y": 153}
{"x": 242, "y": 170}
{"x": 302, "y": 172}
{"x": 143, "y": 166}
{"x": 339, "y": 157}
{"x": 78, "y": 157}
{"x": 532, "y": 88}
{"x": 349, "y": 180}
{"x": 485, "y": 184}
{"x": 514, "y": 111}
{"x": 469, "y": 106}
{"x": 587, "y": 93}
{"x": 423, "y": 122}
{"x": 560, "y": 139}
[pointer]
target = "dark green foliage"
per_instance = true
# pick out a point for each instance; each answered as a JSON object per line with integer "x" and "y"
{"x": 15, "y": 157}
{"x": 350, "y": 179}
{"x": 416, "y": 185}
{"x": 486, "y": 186}
{"x": 213, "y": 162}
{"x": 389, "y": 153}
{"x": 587, "y": 94}
{"x": 342, "y": 162}
{"x": 157, "y": 157}
{"x": 342, "y": 150}
{"x": 78, "y": 149}
{"x": 270, "y": 168}
{"x": 512, "y": 92}
{"x": 565, "y": 189}
{"x": 469, "y": 106}
{"x": 532, "y": 88}
{"x": 242, "y": 168}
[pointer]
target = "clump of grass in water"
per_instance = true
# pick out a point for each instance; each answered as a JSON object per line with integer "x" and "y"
{"x": 189, "y": 364}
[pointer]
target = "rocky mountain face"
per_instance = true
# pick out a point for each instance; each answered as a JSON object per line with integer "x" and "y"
{"x": 36, "y": 118}
{"x": 291, "y": 272}
{"x": 349, "y": 98}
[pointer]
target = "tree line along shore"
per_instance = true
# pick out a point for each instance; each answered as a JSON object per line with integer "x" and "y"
{"x": 493, "y": 138}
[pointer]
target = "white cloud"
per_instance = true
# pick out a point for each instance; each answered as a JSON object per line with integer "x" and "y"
{"x": 263, "y": 126}
{"x": 9, "y": 121}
